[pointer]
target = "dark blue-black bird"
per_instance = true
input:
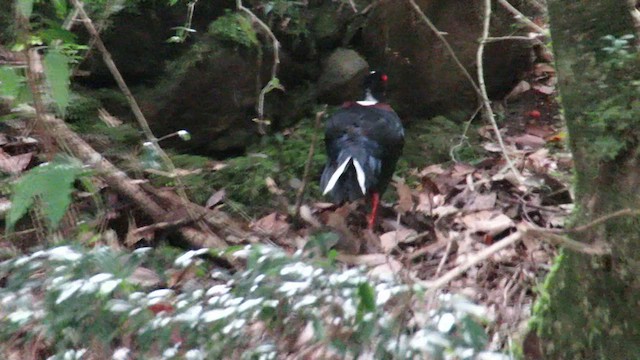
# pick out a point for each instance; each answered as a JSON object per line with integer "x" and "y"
{"x": 363, "y": 140}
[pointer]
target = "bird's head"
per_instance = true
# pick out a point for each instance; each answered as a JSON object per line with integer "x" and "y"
{"x": 375, "y": 86}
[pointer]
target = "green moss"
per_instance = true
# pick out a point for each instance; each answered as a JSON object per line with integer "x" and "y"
{"x": 433, "y": 141}
{"x": 279, "y": 157}
{"x": 82, "y": 109}
{"x": 234, "y": 28}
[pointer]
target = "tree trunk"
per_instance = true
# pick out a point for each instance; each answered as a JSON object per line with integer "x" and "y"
{"x": 590, "y": 307}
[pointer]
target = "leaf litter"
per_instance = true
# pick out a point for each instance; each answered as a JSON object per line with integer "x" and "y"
{"x": 449, "y": 214}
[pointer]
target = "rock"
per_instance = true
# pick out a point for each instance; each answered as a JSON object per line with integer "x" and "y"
{"x": 342, "y": 73}
{"x": 424, "y": 80}
{"x": 213, "y": 98}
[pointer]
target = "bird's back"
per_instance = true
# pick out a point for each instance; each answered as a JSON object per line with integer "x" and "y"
{"x": 373, "y": 137}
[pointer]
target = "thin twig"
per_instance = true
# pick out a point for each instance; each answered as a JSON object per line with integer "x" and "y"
{"x": 307, "y": 165}
{"x": 550, "y": 235}
{"x": 598, "y": 221}
{"x": 169, "y": 224}
{"x": 520, "y": 17}
{"x": 463, "y": 137}
{"x": 577, "y": 246}
{"x": 473, "y": 260}
{"x": 483, "y": 90}
{"x": 276, "y": 56}
{"x": 443, "y": 261}
{"x": 446, "y": 45}
{"x": 511, "y": 38}
{"x": 135, "y": 108}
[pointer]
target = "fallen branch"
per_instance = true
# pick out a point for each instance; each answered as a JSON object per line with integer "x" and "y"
{"x": 114, "y": 177}
{"x": 135, "y": 108}
{"x": 481, "y": 255}
{"x": 551, "y": 236}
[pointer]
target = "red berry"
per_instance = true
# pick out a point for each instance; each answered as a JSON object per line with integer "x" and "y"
{"x": 534, "y": 114}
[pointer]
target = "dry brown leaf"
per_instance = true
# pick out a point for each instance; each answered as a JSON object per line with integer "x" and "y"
{"x": 323, "y": 205}
{"x": 522, "y": 87}
{"x": 348, "y": 241}
{"x": 488, "y": 221}
{"x": 14, "y": 164}
{"x": 539, "y": 131}
{"x": 544, "y": 89}
{"x": 305, "y": 336}
{"x": 425, "y": 203}
{"x": 540, "y": 162}
{"x": 216, "y": 198}
{"x": 543, "y": 69}
{"x": 144, "y": 277}
{"x": 481, "y": 202}
{"x": 492, "y": 147}
{"x": 386, "y": 270}
{"x": 486, "y": 132}
{"x": 273, "y": 224}
{"x": 527, "y": 141}
{"x": 405, "y": 198}
{"x": 391, "y": 239}
{"x": 432, "y": 169}
{"x": 273, "y": 187}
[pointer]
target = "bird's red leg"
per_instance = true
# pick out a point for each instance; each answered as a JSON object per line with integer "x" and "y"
{"x": 375, "y": 201}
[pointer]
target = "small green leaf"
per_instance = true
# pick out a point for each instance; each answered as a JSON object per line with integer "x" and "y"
{"x": 61, "y": 7}
{"x": 367, "y": 297}
{"x": 25, "y": 7}
{"x": 367, "y": 302}
{"x": 56, "y": 32}
{"x": 10, "y": 82}
{"x": 53, "y": 183}
{"x": 56, "y": 68}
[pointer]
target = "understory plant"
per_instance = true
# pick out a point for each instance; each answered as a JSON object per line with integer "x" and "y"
{"x": 90, "y": 301}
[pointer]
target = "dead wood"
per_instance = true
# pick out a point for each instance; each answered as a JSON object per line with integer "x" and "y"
{"x": 114, "y": 177}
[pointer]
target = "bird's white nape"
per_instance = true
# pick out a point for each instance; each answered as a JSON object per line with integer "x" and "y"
{"x": 333, "y": 180}
{"x": 360, "y": 175}
{"x": 369, "y": 99}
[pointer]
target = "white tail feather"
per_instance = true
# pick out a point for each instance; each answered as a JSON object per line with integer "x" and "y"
{"x": 360, "y": 175}
{"x": 336, "y": 176}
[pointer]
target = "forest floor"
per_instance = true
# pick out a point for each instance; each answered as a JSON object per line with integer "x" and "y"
{"x": 455, "y": 210}
{"x": 443, "y": 220}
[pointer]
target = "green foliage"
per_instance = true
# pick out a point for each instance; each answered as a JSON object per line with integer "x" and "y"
{"x": 56, "y": 68}
{"x": 297, "y": 22}
{"x": 10, "y": 82}
{"x": 617, "y": 111}
{"x": 81, "y": 299}
{"x": 279, "y": 157}
{"x": 618, "y": 50}
{"x": 82, "y": 109}
{"x": 61, "y": 7}
{"x": 435, "y": 140}
{"x": 51, "y": 183}
{"x": 234, "y": 28}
